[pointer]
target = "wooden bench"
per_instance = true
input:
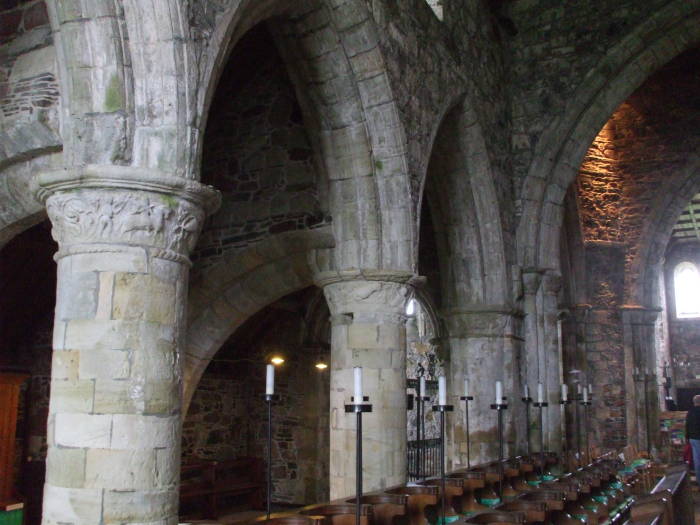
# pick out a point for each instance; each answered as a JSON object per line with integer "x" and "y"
{"x": 670, "y": 501}
{"x": 203, "y": 485}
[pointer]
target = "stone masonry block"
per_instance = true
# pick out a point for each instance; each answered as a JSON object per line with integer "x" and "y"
{"x": 120, "y": 469}
{"x": 65, "y": 467}
{"x": 64, "y": 364}
{"x": 70, "y": 505}
{"x": 83, "y": 430}
{"x": 138, "y": 506}
{"x": 71, "y": 396}
{"x": 104, "y": 364}
{"x": 139, "y": 296}
{"x": 77, "y": 296}
{"x": 141, "y": 431}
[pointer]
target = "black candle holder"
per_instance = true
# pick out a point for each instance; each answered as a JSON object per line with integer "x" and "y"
{"x": 466, "y": 400}
{"x": 358, "y": 409}
{"x": 269, "y": 398}
{"x": 585, "y": 405}
{"x": 499, "y": 408}
{"x": 442, "y": 409}
{"x": 527, "y": 400}
{"x": 420, "y": 431}
{"x": 541, "y": 406}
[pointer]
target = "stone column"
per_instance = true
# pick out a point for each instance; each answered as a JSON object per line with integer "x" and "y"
{"x": 124, "y": 235}
{"x": 368, "y": 330}
{"x": 638, "y": 324}
{"x": 551, "y": 284}
{"x": 483, "y": 348}
{"x": 534, "y": 351}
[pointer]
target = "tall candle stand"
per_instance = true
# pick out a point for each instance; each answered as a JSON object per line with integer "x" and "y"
{"x": 358, "y": 406}
{"x": 647, "y": 377}
{"x": 466, "y": 400}
{"x": 269, "y": 398}
{"x": 585, "y": 404}
{"x": 527, "y": 400}
{"x": 541, "y": 405}
{"x": 565, "y": 444}
{"x": 421, "y": 434}
{"x": 442, "y": 409}
{"x": 578, "y": 398}
{"x": 499, "y": 408}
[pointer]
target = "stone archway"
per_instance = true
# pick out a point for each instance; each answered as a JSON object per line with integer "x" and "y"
{"x": 560, "y": 151}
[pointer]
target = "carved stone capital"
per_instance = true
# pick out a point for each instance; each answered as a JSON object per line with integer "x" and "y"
{"x": 551, "y": 283}
{"x": 107, "y": 208}
{"x": 372, "y": 297}
{"x": 637, "y": 314}
{"x": 531, "y": 281}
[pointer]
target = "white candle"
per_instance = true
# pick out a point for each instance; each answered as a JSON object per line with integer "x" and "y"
{"x": 590, "y": 388}
{"x": 466, "y": 388}
{"x": 564, "y": 392}
{"x": 636, "y": 371}
{"x": 442, "y": 391}
{"x": 499, "y": 393}
{"x": 270, "y": 380}
{"x": 540, "y": 393}
{"x": 422, "y": 387}
{"x": 578, "y": 389}
{"x": 358, "y": 384}
{"x": 585, "y": 395}
{"x": 527, "y": 391}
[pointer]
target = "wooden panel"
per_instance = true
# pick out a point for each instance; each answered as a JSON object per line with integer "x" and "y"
{"x": 9, "y": 399}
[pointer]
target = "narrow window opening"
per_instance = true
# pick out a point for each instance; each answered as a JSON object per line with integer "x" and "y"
{"x": 686, "y": 284}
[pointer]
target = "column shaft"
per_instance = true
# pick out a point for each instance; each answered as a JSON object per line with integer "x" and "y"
{"x": 368, "y": 330}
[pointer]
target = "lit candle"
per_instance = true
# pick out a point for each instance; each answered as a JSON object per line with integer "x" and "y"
{"x": 540, "y": 393}
{"x": 527, "y": 391}
{"x": 442, "y": 391}
{"x": 564, "y": 392}
{"x": 422, "y": 387}
{"x": 270, "y": 380}
{"x": 499, "y": 393}
{"x": 585, "y": 395}
{"x": 358, "y": 384}
{"x": 466, "y": 388}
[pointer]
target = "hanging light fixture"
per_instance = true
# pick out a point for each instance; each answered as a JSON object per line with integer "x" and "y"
{"x": 321, "y": 363}
{"x": 277, "y": 360}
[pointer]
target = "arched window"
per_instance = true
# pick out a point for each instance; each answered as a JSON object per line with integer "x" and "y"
{"x": 686, "y": 284}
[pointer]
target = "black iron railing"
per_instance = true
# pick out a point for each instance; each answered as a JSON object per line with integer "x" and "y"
{"x": 428, "y": 452}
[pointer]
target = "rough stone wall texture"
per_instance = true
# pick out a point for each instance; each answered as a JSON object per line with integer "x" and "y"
{"x": 256, "y": 151}
{"x": 620, "y": 178}
{"x": 684, "y": 334}
{"x": 555, "y": 46}
{"x": 28, "y": 83}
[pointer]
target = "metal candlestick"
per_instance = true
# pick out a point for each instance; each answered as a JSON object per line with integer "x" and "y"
{"x": 358, "y": 408}
{"x": 500, "y": 407}
{"x": 646, "y": 413}
{"x": 466, "y": 400}
{"x": 578, "y": 399}
{"x": 527, "y": 401}
{"x": 541, "y": 406}
{"x": 442, "y": 409}
{"x": 565, "y": 441}
{"x": 585, "y": 405}
{"x": 420, "y": 433}
{"x": 269, "y": 398}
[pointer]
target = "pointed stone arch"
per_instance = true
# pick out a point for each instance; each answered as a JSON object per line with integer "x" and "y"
{"x": 561, "y": 149}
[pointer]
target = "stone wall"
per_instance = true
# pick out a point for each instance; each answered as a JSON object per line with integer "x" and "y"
{"x": 257, "y": 153}
{"x": 684, "y": 334}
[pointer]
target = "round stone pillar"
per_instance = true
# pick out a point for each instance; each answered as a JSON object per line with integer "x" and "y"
{"x": 484, "y": 348}
{"x": 553, "y": 372}
{"x": 368, "y": 330}
{"x": 114, "y": 425}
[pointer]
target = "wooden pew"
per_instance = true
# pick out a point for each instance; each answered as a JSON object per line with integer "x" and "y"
{"x": 339, "y": 513}
{"x": 204, "y": 483}
{"x": 387, "y": 509}
{"x": 420, "y": 497}
{"x": 670, "y": 501}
